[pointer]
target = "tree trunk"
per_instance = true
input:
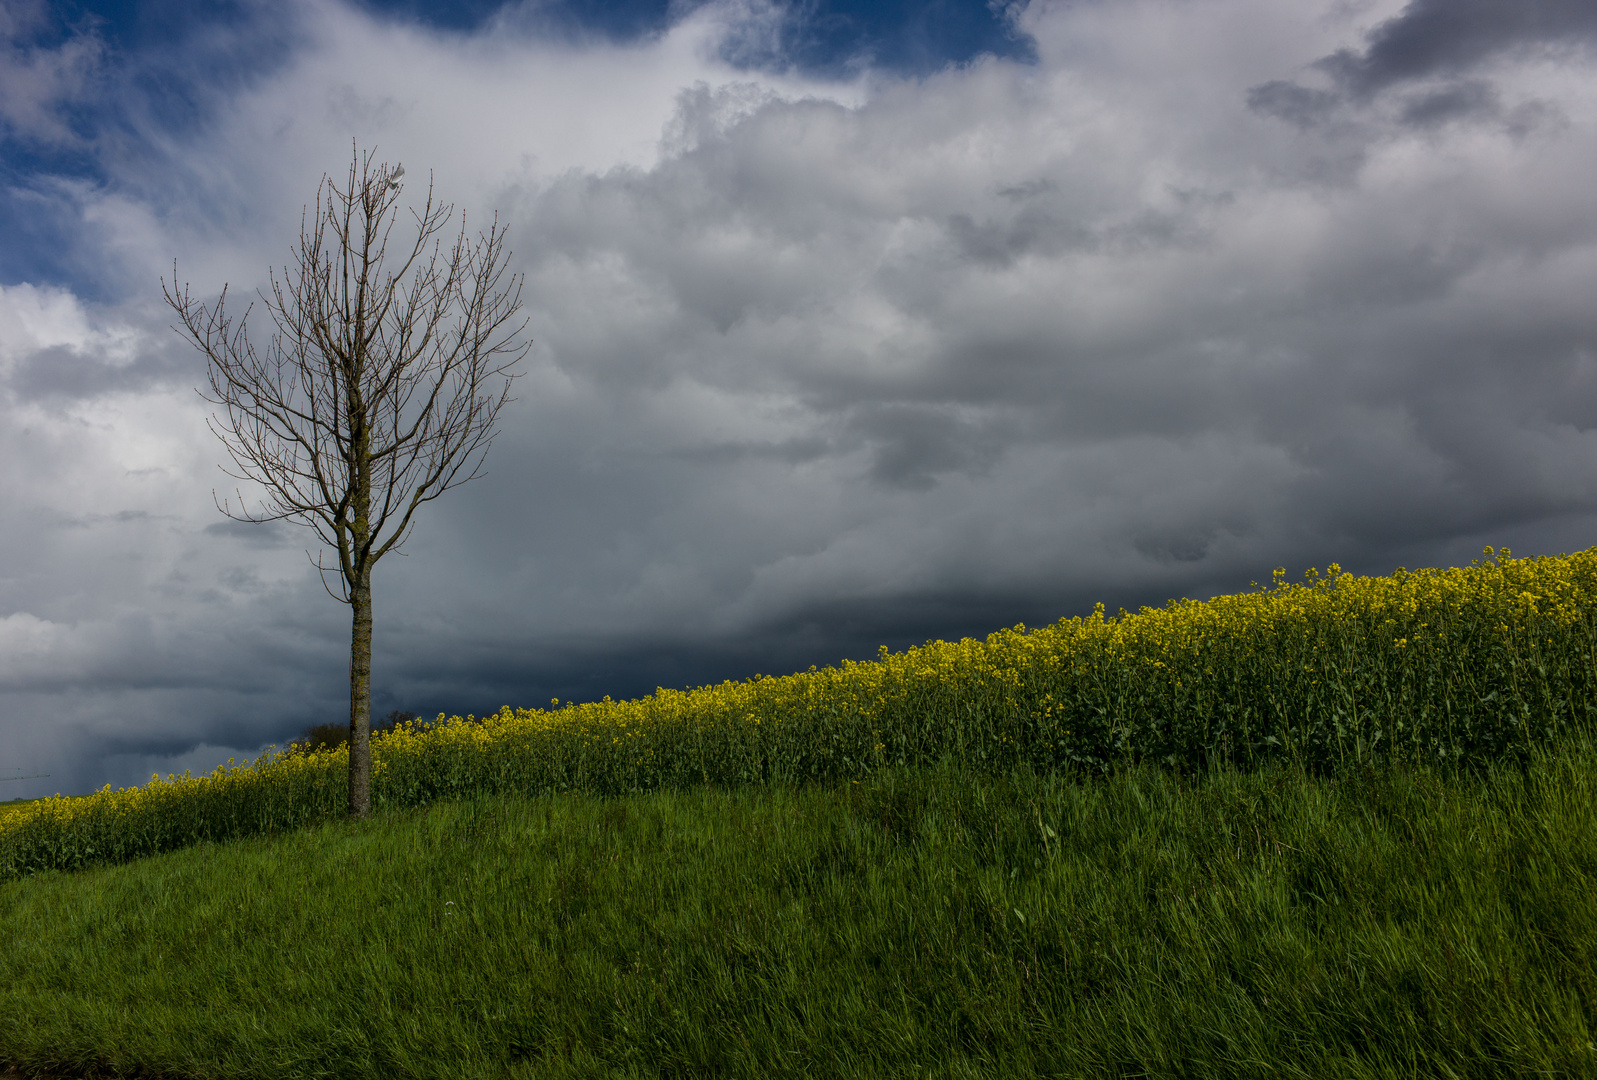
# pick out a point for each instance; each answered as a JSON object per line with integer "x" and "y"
{"x": 358, "y": 575}
{"x": 360, "y": 699}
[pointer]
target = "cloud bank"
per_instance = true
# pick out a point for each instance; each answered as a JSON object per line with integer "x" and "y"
{"x": 821, "y": 361}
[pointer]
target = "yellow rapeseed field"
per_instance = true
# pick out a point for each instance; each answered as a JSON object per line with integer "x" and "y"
{"x": 1449, "y": 665}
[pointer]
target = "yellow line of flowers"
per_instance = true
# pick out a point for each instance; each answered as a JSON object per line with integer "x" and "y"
{"x": 1453, "y": 665}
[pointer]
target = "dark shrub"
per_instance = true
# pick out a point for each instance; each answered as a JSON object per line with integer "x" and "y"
{"x": 332, "y": 736}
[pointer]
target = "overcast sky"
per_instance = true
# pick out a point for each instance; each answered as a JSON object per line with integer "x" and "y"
{"x": 854, "y": 324}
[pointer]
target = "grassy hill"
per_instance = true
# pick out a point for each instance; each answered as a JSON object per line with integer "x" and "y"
{"x": 1346, "y": 828}
{"x": 923, "y": 923}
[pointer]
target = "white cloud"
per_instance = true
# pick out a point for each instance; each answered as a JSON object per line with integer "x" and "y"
{"x": 480, "y": 112}
{"x": 36, "y": 81}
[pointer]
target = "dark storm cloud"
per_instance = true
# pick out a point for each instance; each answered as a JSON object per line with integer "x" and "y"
{"x": 1299, "y": 106}
{"x": 1442, "y": 42}
{"x": 912, "y": 445}
{"x": 1194, "y": 420}
{"x": 1450, "y": 37}
{"x": 820, "y": 368}
{"x": 1456, "y": 102}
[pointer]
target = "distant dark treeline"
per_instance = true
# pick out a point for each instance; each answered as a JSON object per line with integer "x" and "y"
{"x": 332, "y": 736}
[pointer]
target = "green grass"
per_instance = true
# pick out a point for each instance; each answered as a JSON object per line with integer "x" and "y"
{"x": 922, "y": 923}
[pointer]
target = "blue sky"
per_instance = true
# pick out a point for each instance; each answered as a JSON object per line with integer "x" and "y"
{"x": 851, "y": 325}
{"x": 166, "y": 65}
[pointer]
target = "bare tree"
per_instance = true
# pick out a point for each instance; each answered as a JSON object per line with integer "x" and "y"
{"x": 378, "y": 391}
